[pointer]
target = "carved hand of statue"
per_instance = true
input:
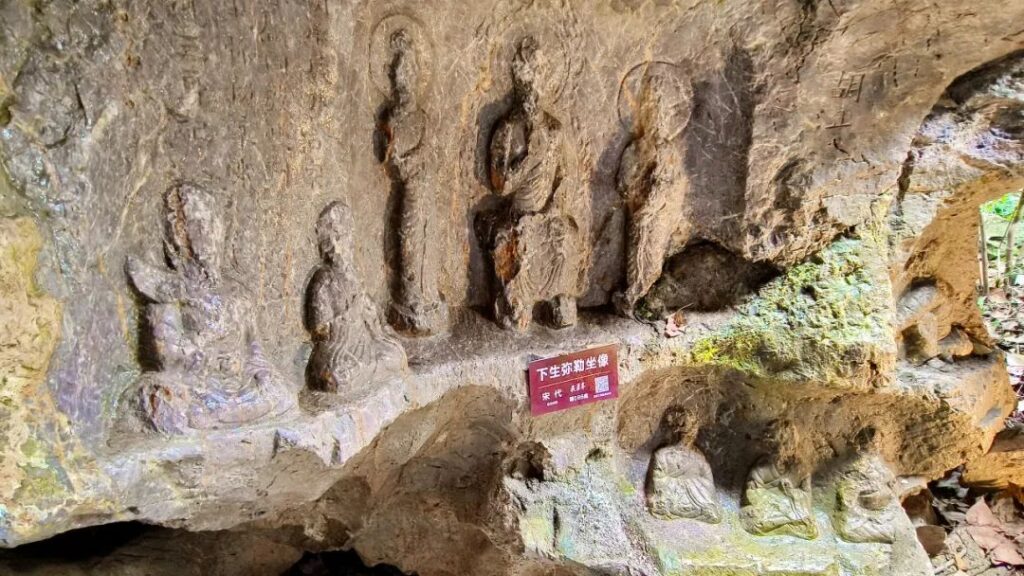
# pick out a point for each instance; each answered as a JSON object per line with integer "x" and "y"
{"x": 508, "y": 150}
{"x": 406, "y": 134}
{"x": 320, "y": 311}
{"x": 634, "y": 172}
{"x": 535, "y": 180}
{"x": 523, "y": 178}
{"x": 875, "y": 500}
{"x": 156, "y": 284}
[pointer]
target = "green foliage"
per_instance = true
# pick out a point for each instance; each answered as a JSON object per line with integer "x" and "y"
{"x": 996, "y": 216}
{"x": 1002, "y": 207}
{"x": 995, "y": 230}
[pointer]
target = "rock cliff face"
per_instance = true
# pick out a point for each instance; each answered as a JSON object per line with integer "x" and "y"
{"x": 278, "y": 268}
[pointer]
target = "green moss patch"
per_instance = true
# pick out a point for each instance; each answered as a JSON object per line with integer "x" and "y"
{"x": 827, "y": 319}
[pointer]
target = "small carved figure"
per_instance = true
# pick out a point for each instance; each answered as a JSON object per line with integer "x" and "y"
{"x": 416, "y": 306}
{"x": 350, "y": 346}
{"x": 681, "y": 486}
{"x": 537, "y": 250}
{"x": 651, "y": 179}
{"x": 209, "y": 369}
{"x": 922, "y": 317}
{"x": 866, "y": 503}
{"x": 777, "y": 502}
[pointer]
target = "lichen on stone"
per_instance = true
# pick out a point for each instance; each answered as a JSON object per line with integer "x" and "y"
{"x": 30, "y": 470}
{"x": 827, "y": 320}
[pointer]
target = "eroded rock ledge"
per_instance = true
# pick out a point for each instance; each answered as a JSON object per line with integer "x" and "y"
{"x": 275, "y": 271}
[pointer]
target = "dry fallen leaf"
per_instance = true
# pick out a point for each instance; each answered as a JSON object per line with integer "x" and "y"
{"x": 1006, "y": 553}
{"x": 997, "y": 296}
{"x": 1000, "y": 548}
{"x": 981, "y": 515}
{"x": 674, "y": 324}
{"x": 986, "y": 536}
{"x": 947, "y": 509}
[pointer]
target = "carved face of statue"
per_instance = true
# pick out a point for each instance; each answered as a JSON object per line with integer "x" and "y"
{"x": 528, "y": 65}
{"x": 194, "y": 233}
{"x": 334, "y": 233}
{"x": 404, "y": 67}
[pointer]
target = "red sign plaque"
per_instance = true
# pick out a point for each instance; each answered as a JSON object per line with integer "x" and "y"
{"x": 574, "y": 379}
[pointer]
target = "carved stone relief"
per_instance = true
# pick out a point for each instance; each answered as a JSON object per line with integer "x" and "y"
{"x": 681, "y": 485}
{"x": 542, "y": 118}
{"x": 351, "y": 348}
{"x": 922, "y": 317}
{"x": 866, "y": 503}
{"x": 206, "y": 366}
{"x": 399, "y": 54}
{"x": 537, "y": 245}
{"x": 778, "y": 502}
{"x": 655, "y": 103}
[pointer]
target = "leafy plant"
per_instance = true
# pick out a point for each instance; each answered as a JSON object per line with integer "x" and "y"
{"x": 1002, "y": 207}
{"x": 1003, "y": 243}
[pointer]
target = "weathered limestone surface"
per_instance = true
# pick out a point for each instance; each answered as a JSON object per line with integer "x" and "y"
{"x": 278, "y": 268}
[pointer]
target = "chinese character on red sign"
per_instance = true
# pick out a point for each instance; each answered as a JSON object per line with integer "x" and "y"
{"x": 574, "y": 379}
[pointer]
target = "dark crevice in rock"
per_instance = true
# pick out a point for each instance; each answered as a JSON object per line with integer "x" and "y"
{"x": 999, "y": 75}
{"x": 705, "y": 277}
{"x": 341, "y": 563}
{"x": 5, "y": 111}
{"x": 80, "y": 545}
{"x": 135, "y": 548}
{"x": 529, "y": 462}
{"x": 903, "y": 181}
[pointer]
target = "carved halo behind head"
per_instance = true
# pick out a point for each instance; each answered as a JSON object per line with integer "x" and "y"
{"x": 655, "y": 95}
{"x": 403, "y": 34}
{"x": 534, "y": 50}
